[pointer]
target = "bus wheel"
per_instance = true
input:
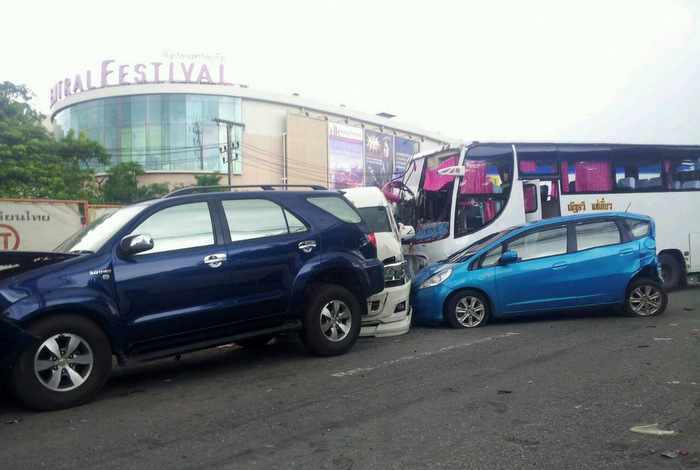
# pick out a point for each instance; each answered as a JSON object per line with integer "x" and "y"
{"x": 670, "y": 270}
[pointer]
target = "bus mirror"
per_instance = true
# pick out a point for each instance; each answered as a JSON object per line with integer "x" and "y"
{"x": 406, "y": 232}
{"x": 457, "y": 170}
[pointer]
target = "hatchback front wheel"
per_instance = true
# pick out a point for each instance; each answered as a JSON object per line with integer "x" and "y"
{"x": 467, "y": 309}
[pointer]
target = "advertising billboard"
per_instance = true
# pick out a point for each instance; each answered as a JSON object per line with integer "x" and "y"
{"x": 404, "y": 149}
{"x": 379, "y": 158}
{"x": 345, "y": 169}
{"x": 37, "y": 225}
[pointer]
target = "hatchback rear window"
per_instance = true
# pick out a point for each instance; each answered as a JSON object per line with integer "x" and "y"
{"x": 638, "y": 228}
{"x": 336, "y": 207}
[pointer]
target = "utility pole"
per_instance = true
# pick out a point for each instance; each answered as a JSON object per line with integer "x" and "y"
{"x": 229, "y": 147}
{"x": 198, "y": 141}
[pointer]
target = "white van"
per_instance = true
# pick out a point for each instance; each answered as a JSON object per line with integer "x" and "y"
{"x": 389, "y": 312}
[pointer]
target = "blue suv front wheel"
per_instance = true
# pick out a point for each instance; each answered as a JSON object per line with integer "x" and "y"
{"x": 66, "y": 366}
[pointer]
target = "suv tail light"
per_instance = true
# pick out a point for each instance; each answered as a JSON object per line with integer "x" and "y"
{"x": 372, "y": 239}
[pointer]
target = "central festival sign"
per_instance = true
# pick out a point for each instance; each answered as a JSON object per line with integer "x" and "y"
{"x": 112, "y": 73}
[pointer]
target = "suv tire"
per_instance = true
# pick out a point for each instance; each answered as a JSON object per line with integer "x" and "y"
{"x": 645, "y": 298}
{"x": 79, "y": 371}
{"x": 331, "y": 319}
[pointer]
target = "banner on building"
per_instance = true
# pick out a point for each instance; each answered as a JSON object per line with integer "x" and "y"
{"x": 38, "y": 225}
{"x": 379, "y": 158}
{"x": 345, "y": 169}
{"x": 404, "y": 150}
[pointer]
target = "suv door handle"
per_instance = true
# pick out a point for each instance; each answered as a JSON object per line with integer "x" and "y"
{"x": 626, "y": 251}
{"x": 216, "y": 260}
{"x": 560, "y": 265}
{"x": 307, "y": 246}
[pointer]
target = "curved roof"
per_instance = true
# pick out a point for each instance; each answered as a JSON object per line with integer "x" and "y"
{"x": 245, "y": 93}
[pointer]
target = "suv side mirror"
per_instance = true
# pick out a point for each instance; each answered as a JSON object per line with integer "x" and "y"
{"x": 508, "y": 257}
{"x": 134, "y": 244}
{"x": 406, "y": 232}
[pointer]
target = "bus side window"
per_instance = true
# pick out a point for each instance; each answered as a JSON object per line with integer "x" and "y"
{"x": 485, "y": 187}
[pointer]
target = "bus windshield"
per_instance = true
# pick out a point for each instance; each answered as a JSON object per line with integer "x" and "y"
{"x": 434, "y": 201}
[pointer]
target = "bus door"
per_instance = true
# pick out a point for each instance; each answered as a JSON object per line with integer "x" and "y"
{"x": 531, "y": 198}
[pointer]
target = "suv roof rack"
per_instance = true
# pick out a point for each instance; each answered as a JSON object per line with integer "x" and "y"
{"x": 264, "y": 187}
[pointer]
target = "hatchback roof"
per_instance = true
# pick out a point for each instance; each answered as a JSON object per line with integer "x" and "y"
{"x": 576, "y": 217}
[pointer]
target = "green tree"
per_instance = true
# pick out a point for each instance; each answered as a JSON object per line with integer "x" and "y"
{"x": 208, "y": 180}
{"x": 33, "y": 164}
{"x": 121, "y": 185}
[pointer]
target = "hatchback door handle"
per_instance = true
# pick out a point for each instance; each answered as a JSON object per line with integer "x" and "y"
{"x": 560, "y": 265}
{"x": 215, "y": 261}
{"x": 628, "y": 251}
{"x": 307, "y": 246}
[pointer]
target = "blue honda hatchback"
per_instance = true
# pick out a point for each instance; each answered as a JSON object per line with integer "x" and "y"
{"x": 556, "y": 264}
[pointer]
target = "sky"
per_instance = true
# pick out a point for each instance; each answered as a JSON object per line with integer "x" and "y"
{"x": 606, "y": 71}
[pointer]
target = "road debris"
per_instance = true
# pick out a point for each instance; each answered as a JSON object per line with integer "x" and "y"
{"x": 13, "y": 421}
{"x": 652, "y": 430}
{"x": 670, "y": 454}
{"x": 688, "y": 309}
{"x": 643, "y": 346}
{"x": 663, "y": 339}
{"x": 505, "y": 392}
{"x": 673, "y": 382}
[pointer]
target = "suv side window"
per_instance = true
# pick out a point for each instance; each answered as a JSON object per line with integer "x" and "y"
{"x": 336, "y": 207}
{"x": 178, "y": 227}
{"x": 540, "y": 244}
{"x": 258, "y": 218}
{"x": 637, "y": 228}
{"x": 595, "y": 234}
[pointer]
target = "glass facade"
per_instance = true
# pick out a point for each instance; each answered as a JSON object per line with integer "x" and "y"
{"x": 163, "y": 132}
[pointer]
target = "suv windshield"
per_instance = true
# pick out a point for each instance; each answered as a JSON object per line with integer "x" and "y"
{"x": 478, "y": 245}
{"x": 91, "y": 238}
{"x": 375, "y": 218}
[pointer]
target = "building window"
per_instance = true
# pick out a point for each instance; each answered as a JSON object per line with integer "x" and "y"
{"x": 164, "y": 132}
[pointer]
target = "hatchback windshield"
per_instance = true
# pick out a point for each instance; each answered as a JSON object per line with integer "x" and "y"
{"x": 375, "y": 218}
{"x": 478, "y": 245}
{"x": 92, "y": 237}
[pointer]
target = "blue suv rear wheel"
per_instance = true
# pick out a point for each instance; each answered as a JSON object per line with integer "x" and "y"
{"x": 331, "y": 319}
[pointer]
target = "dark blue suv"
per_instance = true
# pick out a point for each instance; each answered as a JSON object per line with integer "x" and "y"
{"x": 186, "y": 272}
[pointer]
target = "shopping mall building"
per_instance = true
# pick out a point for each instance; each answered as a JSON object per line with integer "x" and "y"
{"x": 162, "y": 115}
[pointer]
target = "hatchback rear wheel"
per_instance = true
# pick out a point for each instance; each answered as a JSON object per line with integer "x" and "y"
{"x": 645, "y": 298}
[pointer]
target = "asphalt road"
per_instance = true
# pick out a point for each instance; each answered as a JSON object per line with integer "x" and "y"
{"x": 548, "y": 392}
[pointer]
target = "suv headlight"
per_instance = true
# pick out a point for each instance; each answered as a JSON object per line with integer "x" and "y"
{"x": 395, "y": 274}
{"x": 437, "y": 278}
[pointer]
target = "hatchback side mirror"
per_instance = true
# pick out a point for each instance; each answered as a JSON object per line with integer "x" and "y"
{"x": 508, "y": 257}
{"x": 134, "y": 244}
